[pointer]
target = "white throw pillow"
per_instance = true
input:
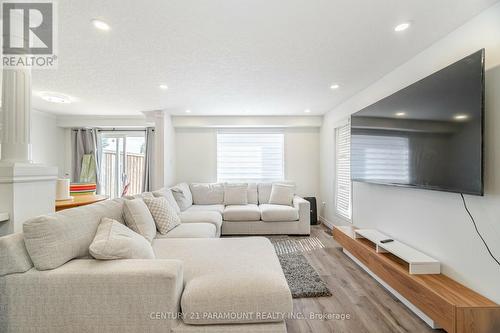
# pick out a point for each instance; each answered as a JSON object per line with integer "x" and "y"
{"x": 282, "y": 194}
{"x": 182, "y": 195}
{"x": 114, "y": 240}
{"x": 167, "y": 193}
{"x": 164, "y": 214}
{"x": 139, "y": 219}
{"x": 235, "y": 194}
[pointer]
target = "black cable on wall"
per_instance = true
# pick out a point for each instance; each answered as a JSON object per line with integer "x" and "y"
{"x": 477, "y": 230}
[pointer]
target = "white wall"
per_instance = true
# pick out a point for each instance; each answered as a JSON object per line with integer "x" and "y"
{"x": 164, "y": 156}
{"x": 47, "y": 140}
{"x": 170, "y": 149}
{"x": 434, "y": 222}
{"x": 196, "y": 157}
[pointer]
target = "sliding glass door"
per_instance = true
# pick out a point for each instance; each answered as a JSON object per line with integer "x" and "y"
{"x": 122, "y": 162}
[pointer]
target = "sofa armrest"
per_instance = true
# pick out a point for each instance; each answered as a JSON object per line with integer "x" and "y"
{"x": 108, "y": 296}
{"x": 304, "y": 208}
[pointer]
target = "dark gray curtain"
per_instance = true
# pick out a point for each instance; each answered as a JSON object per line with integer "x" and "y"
{"x": 147, "y": 184}
{"x": 85, "y": 141}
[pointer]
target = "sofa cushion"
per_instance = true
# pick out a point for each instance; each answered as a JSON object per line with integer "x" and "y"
{"x": 247, "y": 278}
{"x": 191, "y": 230}
{"x": 164, "y": 215}
{"x": 282, "y": 194}
{"x": 52, "y": 240}
{"x": 113, "y": 240}
{"x": 14, "y": 257}
{"x": 264, "y": 190}
{"x": 278, "y": 213}
{"x": 207, "y": 194}
{"x": 182, "y": 195}
{"x": 242, "y": 213}
{"x": 235, "y": 194}
{"x": 167, "y": 193}
{"x": 206, "y": 208}
{"x": 139, "y": 219}
{"x": 253, "y": 195}
{"x": 212, "y": 217}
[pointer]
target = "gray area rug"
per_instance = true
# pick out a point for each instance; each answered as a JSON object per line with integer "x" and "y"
{"x": 302, "y": 278}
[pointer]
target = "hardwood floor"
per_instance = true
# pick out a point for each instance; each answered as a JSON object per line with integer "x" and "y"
{"x": 370, "y": 307}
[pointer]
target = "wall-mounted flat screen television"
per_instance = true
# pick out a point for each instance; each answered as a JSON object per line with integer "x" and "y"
{"x": 428, "y": 135}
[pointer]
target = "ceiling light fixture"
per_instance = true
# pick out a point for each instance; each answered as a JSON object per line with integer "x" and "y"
{"x": 460, "y": 117}
{"x": 188, "y": 111}
{"x": 334, "y": 86}
{"x": 307, "y": 111}
{"x": 402, "y": 26}
{"x": 400, "y": 114}
{"x": 163, "y": 87}
{"x": 55, "y": 97}
{"x": 101, "y": 25}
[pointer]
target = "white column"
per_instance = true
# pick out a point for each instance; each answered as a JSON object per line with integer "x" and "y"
{"x": 16, "y": 115}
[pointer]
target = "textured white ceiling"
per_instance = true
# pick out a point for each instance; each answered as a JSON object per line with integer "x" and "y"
{"x": 227, "y": 57}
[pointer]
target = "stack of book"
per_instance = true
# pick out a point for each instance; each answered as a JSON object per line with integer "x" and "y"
{"x": 82, "y": 189}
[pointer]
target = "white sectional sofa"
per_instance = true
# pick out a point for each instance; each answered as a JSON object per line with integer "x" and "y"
{"x": 206, "y": 202}
{"x": 50, "y": 283}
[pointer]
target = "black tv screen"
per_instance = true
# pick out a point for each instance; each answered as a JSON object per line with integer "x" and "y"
{"x": 428, "y": 135}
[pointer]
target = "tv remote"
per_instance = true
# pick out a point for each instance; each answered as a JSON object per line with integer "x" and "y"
{"x": 386, "y": 241}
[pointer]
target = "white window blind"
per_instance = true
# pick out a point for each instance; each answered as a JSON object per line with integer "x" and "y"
{"x": 250, "y": 156}
{"x": 343, "y": 171}
{"x": 381, "y": 158}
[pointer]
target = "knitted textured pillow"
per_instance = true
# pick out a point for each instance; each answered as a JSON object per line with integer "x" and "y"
{"x": 164, "y": 214}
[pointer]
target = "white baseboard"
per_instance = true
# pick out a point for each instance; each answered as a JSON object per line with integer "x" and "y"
{"x": 327, "y": 223}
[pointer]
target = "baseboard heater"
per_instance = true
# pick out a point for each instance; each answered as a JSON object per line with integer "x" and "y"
{"x": 415, "y": 279}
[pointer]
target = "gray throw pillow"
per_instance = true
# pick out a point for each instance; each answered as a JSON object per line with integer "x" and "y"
{"x": 114, "y": 240}
{"x": 164, "y": 214}
{"x": 182, "y": 195}
{"x": 139, "y": 219}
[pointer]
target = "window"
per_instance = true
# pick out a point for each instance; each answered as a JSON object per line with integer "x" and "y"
{"x": 343, "y": 171}
{"x": 250, "y": 156}
{"x": 122, "y": 162}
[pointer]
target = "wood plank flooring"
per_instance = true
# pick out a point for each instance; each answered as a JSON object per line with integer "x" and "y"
{"x": 370, "y": 307}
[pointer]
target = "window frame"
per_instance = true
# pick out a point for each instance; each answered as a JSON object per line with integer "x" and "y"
{"x": 119, "y": 134}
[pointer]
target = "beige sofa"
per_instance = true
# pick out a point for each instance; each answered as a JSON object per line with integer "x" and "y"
{"x": 204, "y": 202}
{"x": 49, "y": 282}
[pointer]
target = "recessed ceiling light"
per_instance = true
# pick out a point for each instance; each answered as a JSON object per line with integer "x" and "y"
{"x": 163, "y": 87}
{"x": 101, "y": 25}
{"x": 334, "y": 86}
{"x": 188, "y": 111}
{"x": 307, "y": 111}
{"x": 402, "y": 26}
{"x": 460, "y": 117}
{"x": 55, "y": 97}
{"x": 400, "y": 114}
